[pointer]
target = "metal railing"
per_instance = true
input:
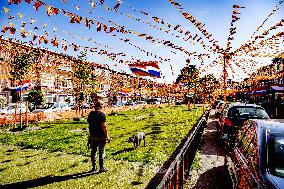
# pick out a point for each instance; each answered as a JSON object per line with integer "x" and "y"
{"x": 178, "y": 171}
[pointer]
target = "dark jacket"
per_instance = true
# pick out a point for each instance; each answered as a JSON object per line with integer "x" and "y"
{"x": 95, "y": 120}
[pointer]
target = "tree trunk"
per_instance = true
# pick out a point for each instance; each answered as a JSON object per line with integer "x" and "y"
{"x": 20, "y": 107}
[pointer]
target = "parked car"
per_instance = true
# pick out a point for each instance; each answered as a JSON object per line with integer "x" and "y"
{"x": 53, "y": 107}
{"x": 141, "y": 102}
{"x": 86, "y": 106}
{"x": 218, "y": 108}
{"x": 178, "y": 102}
{"x": 118, "y": 104}
{"x": 154, "y": 101}
{"x": 3, "y": 111}
{"x": 129, "y": 103}
{"x": 257, "y": 158}
{"x": 214, "y": 105}
{"x": 20, "y": 108}
{"x": 222, "y": 109}
{"x": 234, "y": 115}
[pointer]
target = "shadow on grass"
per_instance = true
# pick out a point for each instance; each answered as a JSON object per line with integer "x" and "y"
{"x": 217, "y": 177}
{"x": 10, "y": 150}
{"x": 136, "y": 183}
{"x": 122, "y": 151}
{"x": 46, "y": 180}
{"x": 154, "y": 132}
{"x": 6, "y": 161}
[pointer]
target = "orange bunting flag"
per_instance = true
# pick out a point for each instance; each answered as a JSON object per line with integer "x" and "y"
{"x": 6, "y": 10}
{"x": 236, "y": 12}
{"x": 237, "y": 7}
{"x": 99, "y": 26}
{"x": 156, "y": 19}
{"x": 37, "y": 5}
{"x": 10, "y": 17}
{"x": 93, "y": 4}
{"x": 14, "y": 2}
{"x": 55, "y": 42}
{"x": 64, "y": 46}
{"x": 23, "y": 33}
{"x": 111, "y": 29}
{"x": 5, "y": 29}
{"x": 75, "y": 47}
{"x": 23, "y": 24}
{"x": 117, "y": 5}
{"x": 42, "y": 39}
{"x": 34, "y": 37}
{"x": 76, "y": 7}
{"x": 20, "y": 15}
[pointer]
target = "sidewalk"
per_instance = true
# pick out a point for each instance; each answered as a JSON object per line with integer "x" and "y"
{"x": 212, "y": 173}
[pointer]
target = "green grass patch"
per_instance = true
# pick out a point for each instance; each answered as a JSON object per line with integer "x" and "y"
{"x": 165, "y": 127}
{"x": 196, "y": 164}
{"x": 56, "y": 155}
{"x": 28, "y": 168}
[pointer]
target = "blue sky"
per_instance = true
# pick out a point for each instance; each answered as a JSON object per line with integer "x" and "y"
{"x": 215, "y": 14}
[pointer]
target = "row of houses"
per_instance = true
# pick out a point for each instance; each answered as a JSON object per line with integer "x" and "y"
{"x": 54, "y": 78}
{"x": 265, "y": 84}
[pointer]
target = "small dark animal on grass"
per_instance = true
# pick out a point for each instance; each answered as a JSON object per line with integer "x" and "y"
{"x": 136, "y": 139}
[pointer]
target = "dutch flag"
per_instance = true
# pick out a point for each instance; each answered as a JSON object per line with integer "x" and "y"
{"x": 150, "y": 69}
{"x": 24, "y": 86}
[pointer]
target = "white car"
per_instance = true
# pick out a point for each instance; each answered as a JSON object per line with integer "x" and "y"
{"x": 3, "y": 110}
{"x": 54, "y": 107}
{"x": 20, "y": 108}
{"x": 141, "y": 102}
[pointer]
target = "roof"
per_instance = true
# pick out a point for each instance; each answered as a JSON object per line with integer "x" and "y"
{"x": 245, "y": 104}
{"x": 274, "y": 125}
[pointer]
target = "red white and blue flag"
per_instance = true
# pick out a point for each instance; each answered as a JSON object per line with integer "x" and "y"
{"x": 23, "y": 86}
{"x": 150, "y": 69}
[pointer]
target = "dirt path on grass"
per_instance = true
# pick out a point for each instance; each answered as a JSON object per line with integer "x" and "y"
{"x": 212, "y": 173}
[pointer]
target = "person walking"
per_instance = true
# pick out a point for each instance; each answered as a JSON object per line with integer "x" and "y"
{"x": 98, "y": 136}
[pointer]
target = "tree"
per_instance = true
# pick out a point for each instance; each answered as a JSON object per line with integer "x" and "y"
{"x": 19, "y": 69}
{"x": 36, "y": 97}
{"x": 82, "y": 76}
{"x": 190, "y": 75}
{"x": 3, "y": 101}
{"x": 208, "y": 85}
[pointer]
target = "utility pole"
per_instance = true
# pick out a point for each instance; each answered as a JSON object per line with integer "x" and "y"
{"x": 225, "y": 77}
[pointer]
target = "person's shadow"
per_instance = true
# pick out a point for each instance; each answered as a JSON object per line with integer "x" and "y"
{"x": 46, "y": 180}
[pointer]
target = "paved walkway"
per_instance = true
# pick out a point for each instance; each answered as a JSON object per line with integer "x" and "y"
{"x": 212, "y": 174}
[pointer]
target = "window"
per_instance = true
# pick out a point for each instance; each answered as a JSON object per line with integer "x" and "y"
{"x": 276, "y": 154}
{"x": 247, "y": 112}
{"x": 249, "y": 145}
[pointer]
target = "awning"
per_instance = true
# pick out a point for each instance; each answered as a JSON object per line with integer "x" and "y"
{"x": 277, "y": 89}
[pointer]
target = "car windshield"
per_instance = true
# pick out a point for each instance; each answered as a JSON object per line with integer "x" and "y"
{"x": 247, "y": 112}
{"x": 49, "y": 105}
{"x": 276, "y": 154}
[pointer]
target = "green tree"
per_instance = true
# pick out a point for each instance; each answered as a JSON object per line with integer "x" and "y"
{"x": 190, "y": 75}
{"x": 3, "y": 101}
{"x": 208, "y": 84}
{"x": 20, "y": 66}
{"x": 36, "y": 97}
{"x": 82, "y": 76}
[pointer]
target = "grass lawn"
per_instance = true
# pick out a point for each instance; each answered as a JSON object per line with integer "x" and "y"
{"x": 165, "y": 127}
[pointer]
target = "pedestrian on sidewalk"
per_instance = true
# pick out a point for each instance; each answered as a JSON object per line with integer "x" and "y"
{"x": 98, "y": 135}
